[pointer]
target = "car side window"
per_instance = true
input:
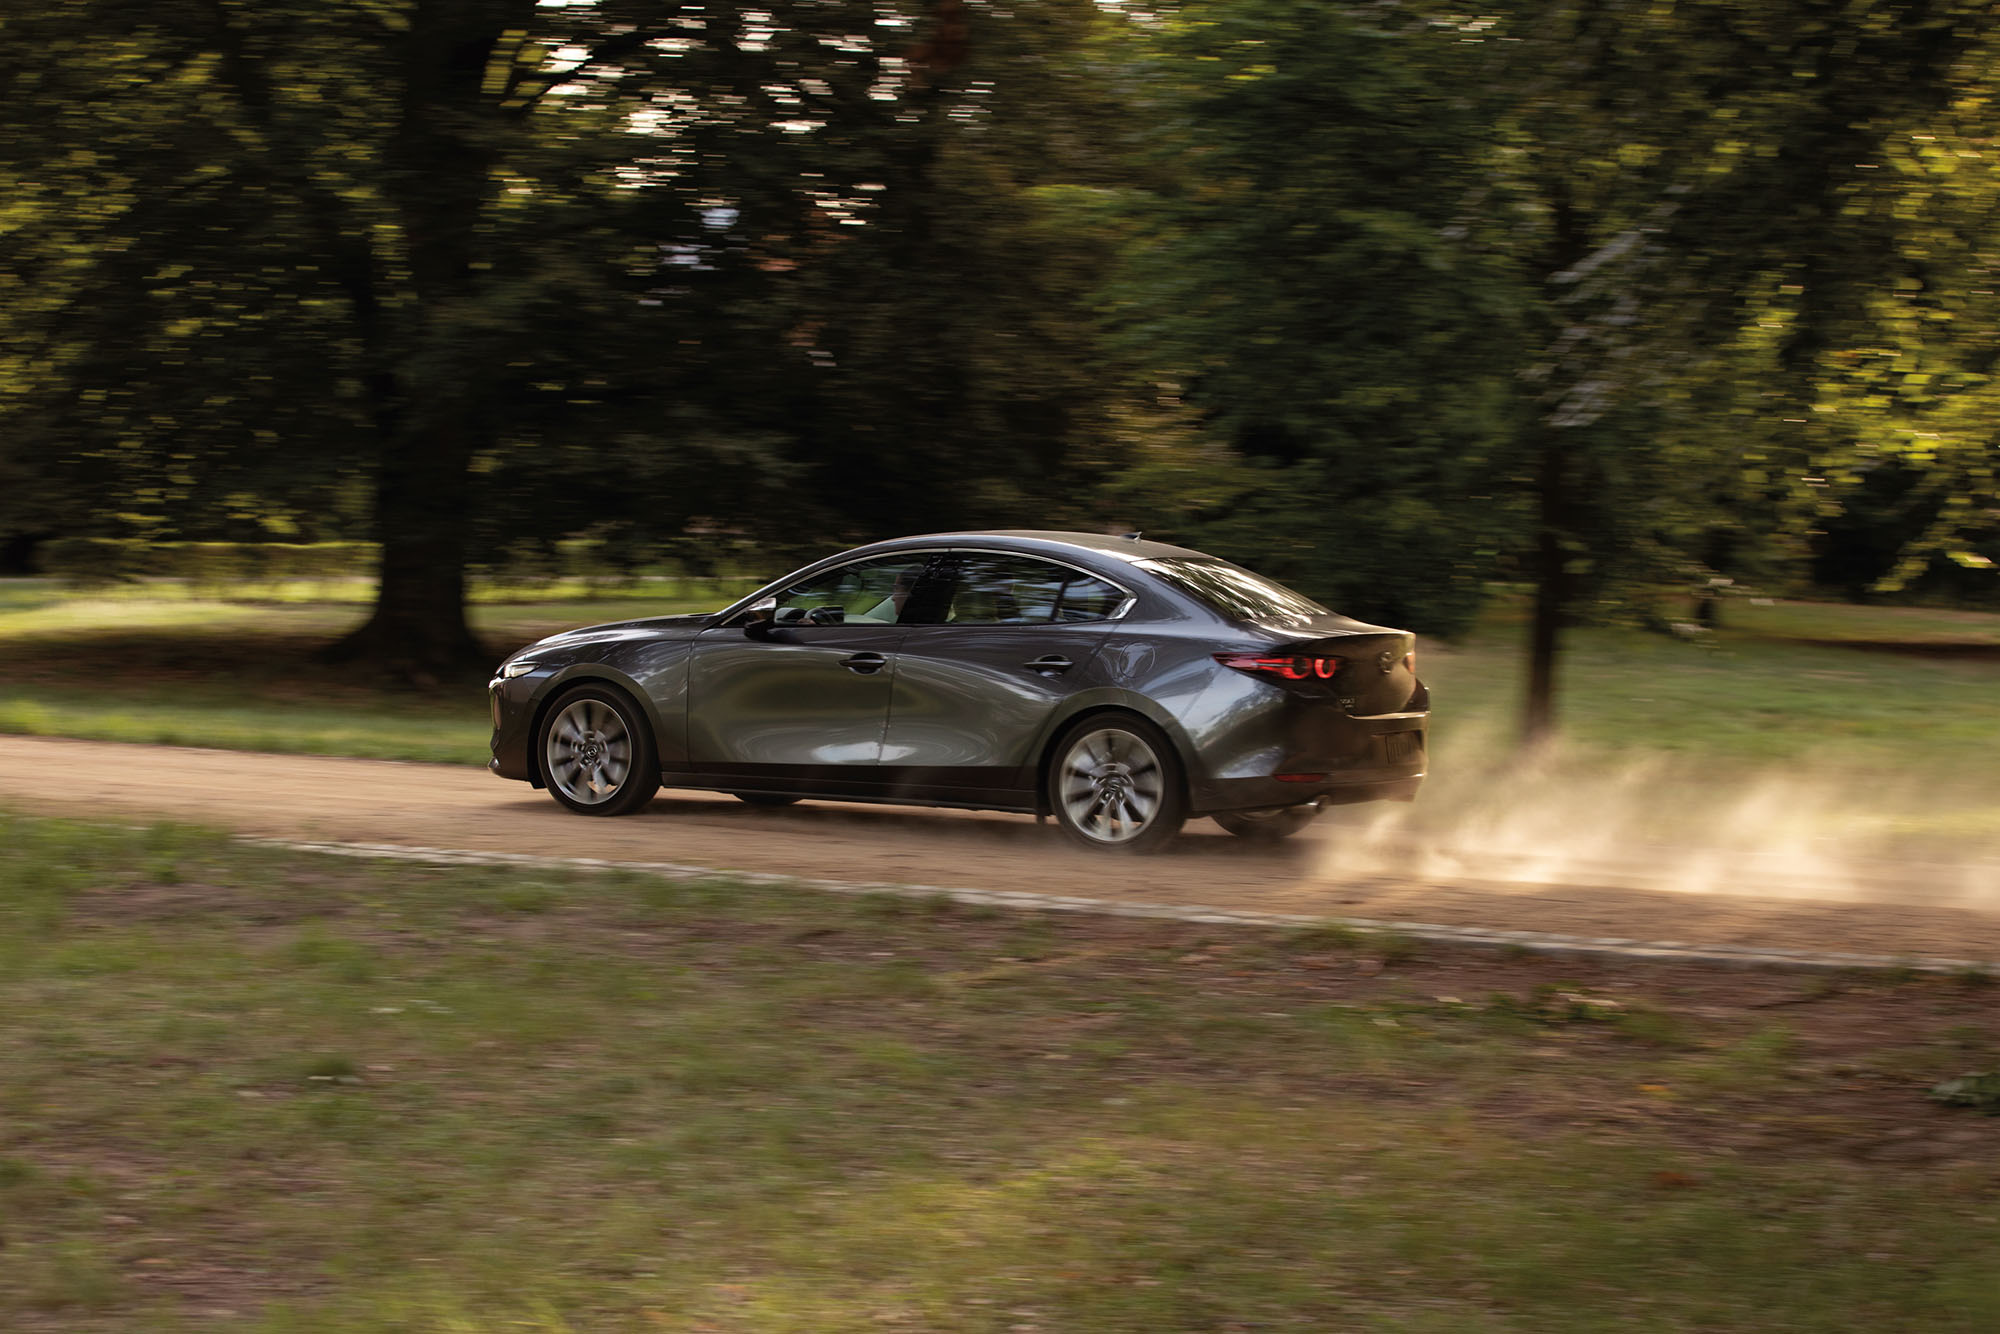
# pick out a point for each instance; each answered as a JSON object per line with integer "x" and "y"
{"x": 866, "y": 592}
{"x": 1088, "y": 599}
{"x": 994, "y": 589}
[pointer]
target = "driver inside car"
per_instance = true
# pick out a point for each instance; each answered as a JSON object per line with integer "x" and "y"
{"x": 889, "y": 608}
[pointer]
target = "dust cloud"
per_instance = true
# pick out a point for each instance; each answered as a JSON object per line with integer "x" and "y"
{"x": 1808, "y": 829}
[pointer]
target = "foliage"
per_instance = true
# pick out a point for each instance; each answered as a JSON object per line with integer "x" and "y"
{"x": 90, "y": 560}
{"x": 1392, "y": 302}
{"x": 225, "y": 569}
{"x": 1907, "y": 409}
{"x": 1314, "y": 273}
{"x": 454, "y": 272}
{"x": 1551, "y": 292}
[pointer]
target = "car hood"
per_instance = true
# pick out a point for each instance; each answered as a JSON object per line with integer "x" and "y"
{"x": 651, "y": 627}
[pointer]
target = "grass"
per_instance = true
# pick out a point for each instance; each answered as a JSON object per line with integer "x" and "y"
{"x": 32, "y": 594}
{"x": 1799, "y": 732}
{"x": 1874, "y": 726}
{"x": 239, "y": 676}
{"x": 255, "y": 1091}
{"x": 1859, "y": 687}
{"x": 1784, "y": 683}
{"x": 1842, "y": 623}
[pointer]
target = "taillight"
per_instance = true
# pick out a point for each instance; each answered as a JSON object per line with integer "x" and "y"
{"x": 1292, "y": 667}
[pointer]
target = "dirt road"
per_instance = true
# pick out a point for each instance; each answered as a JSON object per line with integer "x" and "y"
{"x": 466, "y": 808}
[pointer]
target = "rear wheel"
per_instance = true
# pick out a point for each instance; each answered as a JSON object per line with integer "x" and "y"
{"x": 1115, "y": 784}
{"x": 597, "y": 753}
{"x": 764, "y": 798}
{"x": 1267, "y": 826}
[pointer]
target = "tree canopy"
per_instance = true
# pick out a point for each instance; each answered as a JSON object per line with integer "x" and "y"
{"x": 1396, "y": 302}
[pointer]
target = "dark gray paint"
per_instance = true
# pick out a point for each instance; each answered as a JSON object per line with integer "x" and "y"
{"x": 957, "y": 716}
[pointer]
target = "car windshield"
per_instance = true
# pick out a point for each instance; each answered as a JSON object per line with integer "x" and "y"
{"x": 1233, "y": 590}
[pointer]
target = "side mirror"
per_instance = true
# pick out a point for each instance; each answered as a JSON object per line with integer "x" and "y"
{"x": 759, "y": 614}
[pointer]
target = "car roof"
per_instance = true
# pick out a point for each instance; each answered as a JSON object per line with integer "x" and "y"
{"x": 1048, "y": 542}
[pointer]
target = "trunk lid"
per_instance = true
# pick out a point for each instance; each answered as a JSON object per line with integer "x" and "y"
{"x": 1377, "y": 672}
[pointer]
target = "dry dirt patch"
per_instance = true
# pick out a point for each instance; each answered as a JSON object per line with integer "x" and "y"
{"x": 443, "y": 806}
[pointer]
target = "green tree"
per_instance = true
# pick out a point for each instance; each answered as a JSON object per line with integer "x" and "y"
{"x": 467, "y": 271}
{"x": 1315, "y": 269}
{"x": 1543, "y": 293}
{"x": 1710, "y": 224}
{"x": 1906, "y": 410}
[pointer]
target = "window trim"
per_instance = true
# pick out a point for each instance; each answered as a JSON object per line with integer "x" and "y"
{"x": 733, "y": 614}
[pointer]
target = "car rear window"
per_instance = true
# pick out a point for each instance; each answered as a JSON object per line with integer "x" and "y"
{"x": 1232, "y": 590}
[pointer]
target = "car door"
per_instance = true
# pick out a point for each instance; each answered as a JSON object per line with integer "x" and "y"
{"x": 801, "y": 703}
{"x": 1008, "y": 637}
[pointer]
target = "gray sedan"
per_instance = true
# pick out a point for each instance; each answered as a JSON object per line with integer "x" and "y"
{"x": 1118, "y": 685}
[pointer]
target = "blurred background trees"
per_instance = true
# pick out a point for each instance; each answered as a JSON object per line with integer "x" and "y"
{"x": 1611, "y": 299}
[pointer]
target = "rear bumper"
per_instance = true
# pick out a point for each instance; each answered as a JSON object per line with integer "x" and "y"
{"x": 1325, "y": 754}
{"x": 1254, "y": 794}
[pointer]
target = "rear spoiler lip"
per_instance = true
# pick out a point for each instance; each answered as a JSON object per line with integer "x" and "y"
{"x": 1332, "y": 626}
{"x": 1305, "y": 641}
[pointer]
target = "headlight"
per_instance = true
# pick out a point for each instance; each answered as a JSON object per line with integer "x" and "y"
{"x": 518, "y": 667}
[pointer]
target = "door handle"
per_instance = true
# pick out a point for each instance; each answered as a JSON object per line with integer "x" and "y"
{"x": 1051, "y": 664}
{"x": 867, "y": 664}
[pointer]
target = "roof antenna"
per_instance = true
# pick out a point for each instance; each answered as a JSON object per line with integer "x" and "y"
{"x": 1131, "y": 537}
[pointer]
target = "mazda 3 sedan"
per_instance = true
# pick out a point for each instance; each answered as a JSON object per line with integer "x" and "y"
{"x": 1117, "y": 685}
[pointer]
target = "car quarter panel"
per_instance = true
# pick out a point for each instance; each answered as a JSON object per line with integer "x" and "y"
{"x": 1159, "y": 677}
{"x": 1247, "y": 731}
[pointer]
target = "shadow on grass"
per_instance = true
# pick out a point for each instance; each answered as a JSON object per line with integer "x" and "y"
{"x": 1941, "y": 650}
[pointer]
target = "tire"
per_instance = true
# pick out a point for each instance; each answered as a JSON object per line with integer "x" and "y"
{"x": 764, "y": 798}
{"x": 596, "y": 752}
{"x": 1268, "y": 826}
{"x": 1114, "y": 784}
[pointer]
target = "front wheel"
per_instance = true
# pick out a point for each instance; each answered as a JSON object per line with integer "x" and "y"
{"x": 597, "y": 752}
{"x": 1115, "y": 784}
{"x": 1267, "y": 826}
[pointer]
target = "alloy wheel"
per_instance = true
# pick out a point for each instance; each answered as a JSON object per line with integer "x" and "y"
{"x": 1111, "y": 785}
{"x": 588, "y": 752}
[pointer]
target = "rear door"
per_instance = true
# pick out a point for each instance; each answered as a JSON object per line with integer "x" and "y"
{"x": 1008, "y": 640}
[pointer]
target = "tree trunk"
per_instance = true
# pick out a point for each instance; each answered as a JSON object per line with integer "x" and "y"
{"x": 418, "y": 632}
{"x": 1708, "y": 609}
{"x": 1551, "y": 597}
{"x": 432, "y": 420}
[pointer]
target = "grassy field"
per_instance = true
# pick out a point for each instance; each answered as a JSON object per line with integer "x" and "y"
{"x": 1854, "y": 689}
{"x": 242, "y": 676}
{"x": 31, "y": 594}
{"x": 249, "y": 1090}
